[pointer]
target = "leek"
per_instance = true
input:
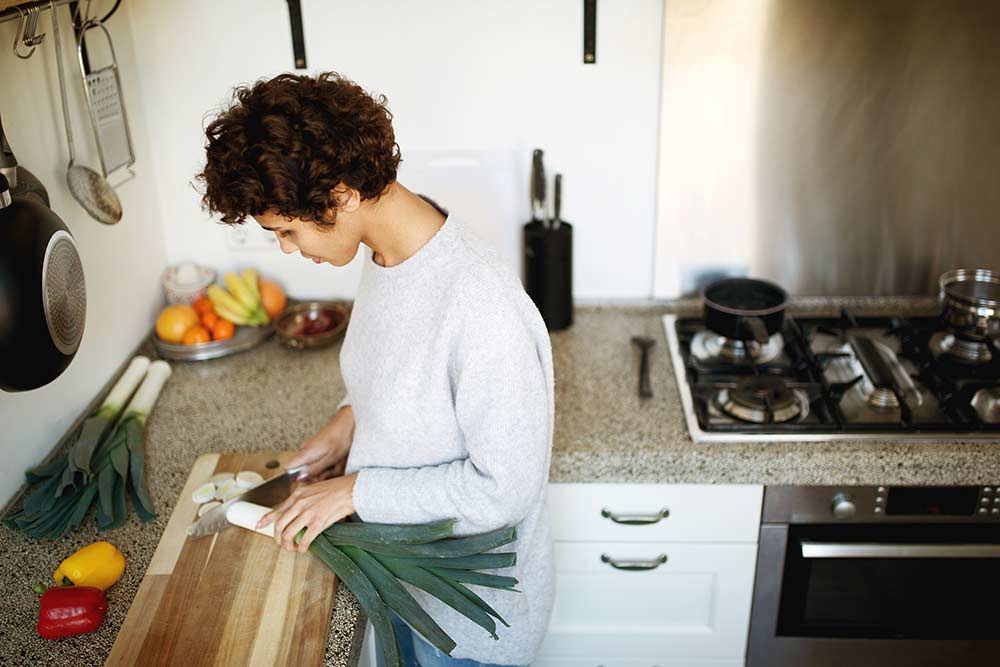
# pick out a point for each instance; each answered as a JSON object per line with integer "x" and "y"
{"x": 116, "y": 469}
{"x": 373, "y": 560}
{"x": 96, "y": 427}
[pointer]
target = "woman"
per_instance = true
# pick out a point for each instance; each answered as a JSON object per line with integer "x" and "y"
{"x": 447, "y": 362}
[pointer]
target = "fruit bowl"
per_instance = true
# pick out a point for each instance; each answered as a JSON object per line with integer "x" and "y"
{"x": 245, "y": 338}
{"x": 222, "y": 321}
{"x": 312, "y": 324}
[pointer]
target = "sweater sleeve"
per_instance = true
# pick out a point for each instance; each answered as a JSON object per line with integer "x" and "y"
{"x": 501, "y": 404}
{"x": 346, "y": 400}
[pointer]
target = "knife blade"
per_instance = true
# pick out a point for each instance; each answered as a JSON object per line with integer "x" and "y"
{"x": 538, "y": 187}
{"x": 269, "y": 493}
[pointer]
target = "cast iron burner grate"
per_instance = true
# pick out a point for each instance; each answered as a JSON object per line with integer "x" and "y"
{"x": 816, "y": 384}
{"x": 761, "y": 399}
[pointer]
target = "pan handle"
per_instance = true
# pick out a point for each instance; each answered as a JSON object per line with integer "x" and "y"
{"x": 753, "y": 328}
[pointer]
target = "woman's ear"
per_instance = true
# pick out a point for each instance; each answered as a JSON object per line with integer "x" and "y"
{"x": 346, "y": 199}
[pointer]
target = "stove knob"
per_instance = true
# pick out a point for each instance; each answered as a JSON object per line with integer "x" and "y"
{"x": 843, "y": 507}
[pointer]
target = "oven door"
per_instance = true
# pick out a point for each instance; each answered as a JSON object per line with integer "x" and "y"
{"x": 889, "y": 595}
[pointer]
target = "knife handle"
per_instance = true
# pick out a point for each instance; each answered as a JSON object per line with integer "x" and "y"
{"x": 557, "y": 201}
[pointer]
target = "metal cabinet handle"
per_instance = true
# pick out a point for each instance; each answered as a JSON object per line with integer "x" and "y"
{"x": 635, "y": 519}
{"x": 634, "y": 565}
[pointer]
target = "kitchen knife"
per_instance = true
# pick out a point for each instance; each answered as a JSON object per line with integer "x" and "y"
{"x": 557, "y": 201}
{"x": 269, "y": 493}
{"x": 538, "y": 188}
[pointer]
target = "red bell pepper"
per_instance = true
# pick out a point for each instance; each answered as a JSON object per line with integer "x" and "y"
{"x": 71, "y": 610}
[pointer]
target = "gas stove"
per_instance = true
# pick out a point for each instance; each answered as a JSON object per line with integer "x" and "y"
{"x": 837, "y": 378}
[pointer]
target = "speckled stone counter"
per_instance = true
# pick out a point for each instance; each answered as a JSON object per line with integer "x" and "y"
{"x": 606, "y": 433}
{"x": 272, "y": 398}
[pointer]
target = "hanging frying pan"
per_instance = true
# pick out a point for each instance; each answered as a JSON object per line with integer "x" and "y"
{"x": 43, "y": 299}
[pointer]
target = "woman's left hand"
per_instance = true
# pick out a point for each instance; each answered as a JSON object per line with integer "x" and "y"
{"x": 315, "y": 507}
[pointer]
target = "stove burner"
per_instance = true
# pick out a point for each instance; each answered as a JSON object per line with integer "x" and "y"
{"x": 708, "y": 346}
{"x": 880, "y": 397}
{"x": 763, "y": 400}
{"x": 961, "y": 349}
{"x": 987, "y": 404}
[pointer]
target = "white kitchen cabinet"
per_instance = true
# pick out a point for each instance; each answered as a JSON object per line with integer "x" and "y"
{"x": 370, "y": 656}
{"x": 695, "y": 604}
{"x": 692, "y": 608}
{"x": 660, "y": 662}
{"x": 693, "y": 512}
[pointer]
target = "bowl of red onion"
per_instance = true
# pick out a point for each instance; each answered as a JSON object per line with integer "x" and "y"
{"x": 312, "y": 324}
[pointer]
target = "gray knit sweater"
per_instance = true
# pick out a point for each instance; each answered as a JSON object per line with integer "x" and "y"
{"x": 448, "y": 369}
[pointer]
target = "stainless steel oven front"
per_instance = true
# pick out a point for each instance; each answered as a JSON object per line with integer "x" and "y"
{"x": 879, "y": 575}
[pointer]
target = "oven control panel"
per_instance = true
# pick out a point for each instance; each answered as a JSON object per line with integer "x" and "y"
{"x": 896, "y": 504}
{"x": 952, "y": 501}
{"x": 989, "y": 500}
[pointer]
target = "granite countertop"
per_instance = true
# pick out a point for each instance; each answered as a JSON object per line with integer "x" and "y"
{"x": 605, "y": 433}
{"x": 272, "y": 398}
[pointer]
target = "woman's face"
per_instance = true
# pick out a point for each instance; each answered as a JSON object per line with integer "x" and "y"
{"x": 337, "y": 244}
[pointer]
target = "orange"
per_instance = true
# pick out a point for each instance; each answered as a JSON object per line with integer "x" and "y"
{"x": 272, "y": 297}
{"x": 174, "y": 320}
{"x": 203, "y": 305}
{"x": 209, "y": 319}
{"x": 223, "y": 329}
{"x": 196, "y": 334}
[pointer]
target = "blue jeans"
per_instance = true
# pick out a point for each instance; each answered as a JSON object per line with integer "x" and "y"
{"x": 418, "y": 652}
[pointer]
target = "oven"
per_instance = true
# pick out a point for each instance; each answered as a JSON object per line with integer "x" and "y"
{"x": 879, "y": 575}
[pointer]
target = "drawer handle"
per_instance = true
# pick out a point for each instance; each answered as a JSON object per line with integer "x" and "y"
{"x": 635, "y": 519}
{"x": 634, "y": 565}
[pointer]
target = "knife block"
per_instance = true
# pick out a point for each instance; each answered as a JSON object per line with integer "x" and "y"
{"x": 548, "y": 272}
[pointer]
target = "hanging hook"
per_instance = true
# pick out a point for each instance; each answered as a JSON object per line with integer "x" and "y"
{"x": 25, "y": 33}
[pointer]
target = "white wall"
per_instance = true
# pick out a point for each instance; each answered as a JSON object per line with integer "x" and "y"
{"x": 121, "y": 263}
{"x": 492, "y": 79}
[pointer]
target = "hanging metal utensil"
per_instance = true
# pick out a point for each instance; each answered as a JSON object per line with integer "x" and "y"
{"x": 25, "y": 34}
{"x": 89, "y": 188}
{"x": 107, "y": 107}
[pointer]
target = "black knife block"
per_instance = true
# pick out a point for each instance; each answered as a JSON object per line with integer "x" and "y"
{"x": 548, "y": 272}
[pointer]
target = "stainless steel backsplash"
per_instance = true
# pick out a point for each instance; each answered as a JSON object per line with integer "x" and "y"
{"x": 874, "y": 160}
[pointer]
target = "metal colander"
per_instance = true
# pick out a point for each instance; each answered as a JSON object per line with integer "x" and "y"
{"x": 64, "y": 293}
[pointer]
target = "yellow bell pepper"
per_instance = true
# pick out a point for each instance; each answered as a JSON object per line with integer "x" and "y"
{"x": 99, "y": 565}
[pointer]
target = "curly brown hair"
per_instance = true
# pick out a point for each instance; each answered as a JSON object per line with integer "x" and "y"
{"x": 285, "y": 143}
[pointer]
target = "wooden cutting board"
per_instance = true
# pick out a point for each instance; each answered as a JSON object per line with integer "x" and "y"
{"x": 234, "y": 598}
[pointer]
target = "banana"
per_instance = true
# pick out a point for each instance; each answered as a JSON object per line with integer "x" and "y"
{"x": 250, "y": 277}
{"x": 234, "y": 317}
{"x": 221, "y": 299}
{"x": 241, "y": 291}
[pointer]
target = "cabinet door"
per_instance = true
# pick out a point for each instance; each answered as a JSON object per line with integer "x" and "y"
{"x": 655, "y": 512}
{"x": 693, "y": 605}
{"x": 664, "y": 662}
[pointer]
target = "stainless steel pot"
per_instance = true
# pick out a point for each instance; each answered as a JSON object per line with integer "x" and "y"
{"x": 971, "y": 302}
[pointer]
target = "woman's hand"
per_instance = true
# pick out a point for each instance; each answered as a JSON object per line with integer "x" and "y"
{"x": 315, "y": 507}
{"x": 325, "y": 453}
